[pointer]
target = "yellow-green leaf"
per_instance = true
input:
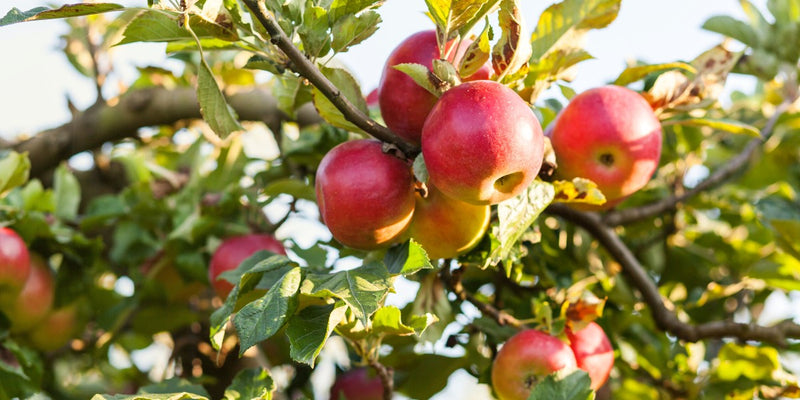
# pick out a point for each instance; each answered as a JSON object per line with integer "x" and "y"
{"x": 633, "y": 74}
{"x": 512, "y": 51}
{"x": 727, "y": 125}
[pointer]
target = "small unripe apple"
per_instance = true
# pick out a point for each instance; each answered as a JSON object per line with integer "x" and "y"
{"x": 36, "y": 298}
{"x": 593, "y": 352}
{"x": 525, "y": 359}
{"x": 404, "y": 104}
{"x": 365, "y": 197}
{"x": 357, "y": 384}
{"x": 611, "y": 136}
{"x": 481, "y": 143}
{"x": 445, "y": 227}
{"x": 232, "y": 251}
{"x": 55, "y": 330}
{"x": 14, "y": 264}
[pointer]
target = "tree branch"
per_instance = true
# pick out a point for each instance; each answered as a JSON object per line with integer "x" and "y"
{"x": 665, "y": 319}
{"x": 303, "y": 66}
{"x": 725, "y": 172}
{"x": 453, "y": 281}
{"x": 387, "y": 378}
{"x": 123, "y": 117}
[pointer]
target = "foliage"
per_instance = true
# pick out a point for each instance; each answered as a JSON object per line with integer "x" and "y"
{"x": 132, "y": 260}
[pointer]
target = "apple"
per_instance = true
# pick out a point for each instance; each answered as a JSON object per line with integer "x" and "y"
{"x": 445, "y": 227}
{"x": 372, "y": 98}
{"x": 36, "y": 298}
{"x": 55, "y": 330}
{"x": 611, "y": 136}
{"x": 526, "y": 358}
{"x": 481, "y": 143}
{"x": 357, "y": 384}
{"x": 232, "y": 251}
{"x": 365, "y": 197}
{"x": 593, "y": 352}
{"x": 403, "y": 103}
{"x": 14, "y": 264}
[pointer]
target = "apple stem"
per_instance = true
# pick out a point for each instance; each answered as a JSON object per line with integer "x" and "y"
{"x": 387, "y": 377}
{"x": 305, "y": 68}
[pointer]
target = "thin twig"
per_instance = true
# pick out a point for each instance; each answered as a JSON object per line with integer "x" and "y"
{"x": 387, "y": 378}
{"x": 303, "y": 66}
{"x": 722, "y": 174}
{"x": 453, "y": 281}
{"x": 665, "y": 319}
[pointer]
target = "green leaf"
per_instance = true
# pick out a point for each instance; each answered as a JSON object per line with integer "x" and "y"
{"x": 291, "y": 93}
{"x": 66, "y": 192}
{"x": 727, "y": 125}
{"x": 260, "y": 319}
{"x": 425, "y": 374}
{"x": 517, "y": 214}
{"x": 746, "y": 361}
{"x": 176, "y": 386}
{"x": 354, "y": 29}
{"x": 732, "y": 28}
{"x": 575, "y": 386}
{"x": 216, "y": 111}
{"x": 423, "y": 77}
{"x": 344, "y": 8}
{"x": 147, "y": 396}
{"x": 407, "y": 258}
{"x": 388, "y": 321}
{"x": 446, "y": 72}
{"x": 552, "y": 67}
{"x": 362, "y": 288}
{"x": 154, "y": 26}
{"x": 291, "y": 186}
{"x": 562, "y": 24}
{"x": 477, "y": 53}
{"x": 14, "y": 170}
{"x": 264, "y": 64}
{"x": 432, "y": 299}
{"x": 786, "y": 12}
{"x": 309, "y": 329}
{"x": 633, "y": 74}
{"x": 67, "y": 11}
{"x": 348, "y": 88}
{"x": 451, "y": 15}
{"x": 314, "y": 31}
{"x": 251, "y": 383}
{"x": 513, "y": 50}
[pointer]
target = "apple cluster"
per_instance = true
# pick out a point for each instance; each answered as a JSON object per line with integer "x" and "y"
{"x": 27, "y": 291}
{"x": 531, "y": 355}
{"x": 481, "y": 144}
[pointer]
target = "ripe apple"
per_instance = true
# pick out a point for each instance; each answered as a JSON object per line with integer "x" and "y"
{"x": 403, "y": 103}
{"x": 611, "y": 136}
{"x": 233, "y": 251}
{"x": 445, "y": 227}
{"x": 365, "y": 197}
{"x": 55, "y": 330}
{"x": 593, "y": 352}
{"x": 14, "y": 264}
{"x": 36, "y": 298}
{"x": 357, "y": 384}
{"x": 526, "y": 358}
{"x": 481, "y": 143}
{"x": 372, "y": 98}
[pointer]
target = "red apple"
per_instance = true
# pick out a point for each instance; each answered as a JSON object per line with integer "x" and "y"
{"x": 372, "y": 98}
{"x": 482, "y": 143}
{"x": 233, "y": 251}
{"x": 357, "y": 384}
{"x": 611, "y": 136}
{"x": 445, "y": 227}
{"x": 593, "y": 352}
{"x": 526, "y": 358}
{"x": 14, "y": 264}
{"x": 36, "y": 298}
{"x": 55, "y": 330}
{"x": 365, "y": 197}
{"x": 403, "y": 103}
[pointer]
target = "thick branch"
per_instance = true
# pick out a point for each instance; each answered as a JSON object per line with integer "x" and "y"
{"x": 721, "y": 175}
{"x": 105, "y": 121}
{"x": 664, "y": 318}
{"x": 306, "y": 69}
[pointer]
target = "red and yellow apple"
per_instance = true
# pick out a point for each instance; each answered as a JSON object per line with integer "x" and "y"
{"x": 365, "y": 196}
{"x": 357, "y": 384}
{"x": 232, "y": 251}
{"x": 525, "y": 359}
{"x": 55, "y": 330}
{"x": 35, "y": 299}
{"x": 445, "y": 227}
{"x": 14, "y": 264}
{"x": 481, "y": 143}
{"x": 611, "y": 136}
{"x": 403, "y": 103}
{"x": 593, "y": 352}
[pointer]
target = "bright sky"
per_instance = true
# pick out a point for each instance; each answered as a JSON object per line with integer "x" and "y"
{"x": 36, "y": 78}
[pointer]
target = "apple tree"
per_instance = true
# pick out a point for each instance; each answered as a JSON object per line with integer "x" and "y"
{"x": 262, "y": 226}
